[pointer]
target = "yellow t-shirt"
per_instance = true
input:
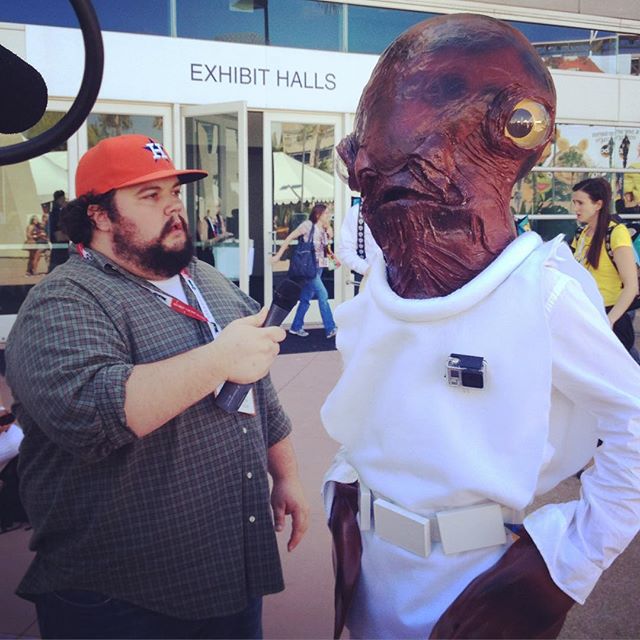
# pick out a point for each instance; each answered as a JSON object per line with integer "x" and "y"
{"x": 632, "y": 182}
{"x": 606, "y": 275}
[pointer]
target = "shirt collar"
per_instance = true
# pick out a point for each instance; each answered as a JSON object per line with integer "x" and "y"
{"x": 478, "y": 289}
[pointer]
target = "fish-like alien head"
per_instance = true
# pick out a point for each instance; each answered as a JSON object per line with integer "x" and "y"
{"x": 457, "y": 109}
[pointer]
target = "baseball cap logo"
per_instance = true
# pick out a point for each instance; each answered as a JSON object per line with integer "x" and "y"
{"x": 157, "y": 150}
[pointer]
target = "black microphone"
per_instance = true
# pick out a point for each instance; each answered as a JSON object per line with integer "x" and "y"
{"x": 24, "y": 93}
{"x": 287, "y": 294}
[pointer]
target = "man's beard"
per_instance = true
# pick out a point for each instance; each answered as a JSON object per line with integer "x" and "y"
{"x": 153, "y": 257}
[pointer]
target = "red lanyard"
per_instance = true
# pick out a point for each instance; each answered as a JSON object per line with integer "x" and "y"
{"x": 174, "y": 303}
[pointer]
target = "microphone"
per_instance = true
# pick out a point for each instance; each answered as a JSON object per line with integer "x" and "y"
{"x": 287, "y": 294}
{"x": 25, "y": 93}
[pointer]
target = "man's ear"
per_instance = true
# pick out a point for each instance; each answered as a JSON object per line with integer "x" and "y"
{"x": 347, "y": 149}
{"x": 99, "y": 217}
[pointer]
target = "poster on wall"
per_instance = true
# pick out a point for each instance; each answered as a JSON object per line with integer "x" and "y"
{"x": 596, "y": 147}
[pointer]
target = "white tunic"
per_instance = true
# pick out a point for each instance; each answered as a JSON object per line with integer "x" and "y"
{"x": 557, "y": 379}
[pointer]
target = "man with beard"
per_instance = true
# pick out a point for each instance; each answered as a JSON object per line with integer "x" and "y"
{"x": 150, "y": 506}
{"x": 479, "y": 368}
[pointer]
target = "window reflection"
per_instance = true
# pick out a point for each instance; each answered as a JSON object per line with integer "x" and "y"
{"x": 141, "y": 16}
{"x": 26, "y": 201}
{"x": 213, "y": 204}
{"x": 109, "y": 125}
{"x": 372, "y": 29}
{"x": 323, "y": 25}
{"x": 318, "y": 25}
{"x": 303, "y": 175}
{"x": 302, "y": 172}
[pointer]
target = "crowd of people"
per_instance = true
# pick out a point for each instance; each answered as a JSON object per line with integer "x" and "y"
{"x": 47, "y": 237}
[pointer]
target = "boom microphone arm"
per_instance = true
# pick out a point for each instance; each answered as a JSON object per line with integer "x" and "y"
{"x": 82, "y": 105}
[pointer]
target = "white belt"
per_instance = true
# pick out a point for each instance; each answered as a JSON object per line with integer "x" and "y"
{"x": 457, "y": 530}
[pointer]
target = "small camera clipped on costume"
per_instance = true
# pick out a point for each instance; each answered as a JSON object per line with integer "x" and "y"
{"x": 466, "y": 371}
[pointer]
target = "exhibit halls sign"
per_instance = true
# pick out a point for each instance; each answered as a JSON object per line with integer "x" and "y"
{"x": 144, "y": 68}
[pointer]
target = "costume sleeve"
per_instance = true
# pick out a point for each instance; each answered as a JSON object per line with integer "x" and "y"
{"x": 67, "y": 366}
{"x": 347, "y": 250}
{"x": 580, "y": 539}
{"x": 620, "y": 237}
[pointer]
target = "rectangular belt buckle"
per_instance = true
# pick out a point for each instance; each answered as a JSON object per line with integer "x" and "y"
{"x": 402, "y": 528}
{"x": 471, "y": 528}
{"x": 364, "y": 506}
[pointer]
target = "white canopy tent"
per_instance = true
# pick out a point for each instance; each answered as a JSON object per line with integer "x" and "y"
{"x": 49, "y": 174}
{"x": 294, "y": 181}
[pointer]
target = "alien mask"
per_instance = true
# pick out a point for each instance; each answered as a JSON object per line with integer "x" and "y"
{"x": 457, "y": 110}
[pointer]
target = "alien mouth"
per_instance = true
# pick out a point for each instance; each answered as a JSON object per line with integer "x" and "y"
{"x": 405, "y": 197}
{"x": 398, "y": 194}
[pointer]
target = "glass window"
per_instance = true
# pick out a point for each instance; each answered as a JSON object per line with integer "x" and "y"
{"x": 303, "y": 176}
{"x": 573, "y": 49}
{"x": 108, "y": 125}
{"x": 141, "y": 16}
{"x": 213, "y": 204}
{"x": 29, "y": 247}
{"x": 228, "y": 20}
{"x": 586, "y": 151}
{"x": 305, "y": 24}
{"x": 372, "y": 29}
{"x": 57, "y": 13}
{"x": 629, "y": 54}
{"x": 317, "y": 24}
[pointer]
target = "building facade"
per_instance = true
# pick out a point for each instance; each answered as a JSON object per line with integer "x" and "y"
{"x": 259, "y": 92}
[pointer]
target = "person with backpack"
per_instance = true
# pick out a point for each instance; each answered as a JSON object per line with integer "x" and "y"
{"x": 603, "y": 246}
{"x": 317, "y": 229}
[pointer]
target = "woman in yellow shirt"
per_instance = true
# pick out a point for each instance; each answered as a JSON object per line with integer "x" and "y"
{"x": 617, "y": 279}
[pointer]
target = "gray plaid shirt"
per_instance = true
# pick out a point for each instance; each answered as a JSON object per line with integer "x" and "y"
{"x": 178, "y": 521}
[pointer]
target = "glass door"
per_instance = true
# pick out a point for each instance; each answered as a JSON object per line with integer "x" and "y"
{"x": 298, "y": 174}
{"x": 215, "y": 139}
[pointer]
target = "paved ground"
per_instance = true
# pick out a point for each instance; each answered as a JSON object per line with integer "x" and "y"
{"x": 304, "y": 609}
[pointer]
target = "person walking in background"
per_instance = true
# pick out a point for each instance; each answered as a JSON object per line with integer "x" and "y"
{"x": 151, "y": 507}
{"x": 35, "y": 234}
{"x": 603, "y": 247}
{"x": 319, "y": 226}
{"x": 57, "y": 236}
{"x": 356, "y": 247}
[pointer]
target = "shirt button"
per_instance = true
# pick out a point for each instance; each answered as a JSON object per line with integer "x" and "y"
{"x": 252, "y": 519}
{"x": 244, "y": 429}
{"x": 249, "y": 475}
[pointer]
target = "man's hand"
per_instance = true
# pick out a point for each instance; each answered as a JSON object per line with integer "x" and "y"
{"x": 247, "y": 349}
{"x": 516, "y": 598}
{"x": 287, "y": 498}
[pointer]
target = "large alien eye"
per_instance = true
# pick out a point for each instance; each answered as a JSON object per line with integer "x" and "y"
{"x": 528, "y": 125}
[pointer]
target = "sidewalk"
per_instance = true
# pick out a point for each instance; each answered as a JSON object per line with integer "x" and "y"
{"x": 305, "y": 609}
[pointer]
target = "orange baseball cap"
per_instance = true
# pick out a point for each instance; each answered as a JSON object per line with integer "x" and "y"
{"x": 125, "y": 161}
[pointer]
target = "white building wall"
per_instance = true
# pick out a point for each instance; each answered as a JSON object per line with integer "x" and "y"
{"x": 142, "y": 69}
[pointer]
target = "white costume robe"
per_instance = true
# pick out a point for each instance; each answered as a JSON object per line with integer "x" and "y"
{"x": 557, "y": 379}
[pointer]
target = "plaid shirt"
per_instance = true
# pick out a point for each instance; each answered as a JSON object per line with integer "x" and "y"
{"x": 178, "y": 521}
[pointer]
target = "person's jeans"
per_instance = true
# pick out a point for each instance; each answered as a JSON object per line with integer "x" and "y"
{"x": 86, "y": 614}
{"x": 311, "y": 288}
